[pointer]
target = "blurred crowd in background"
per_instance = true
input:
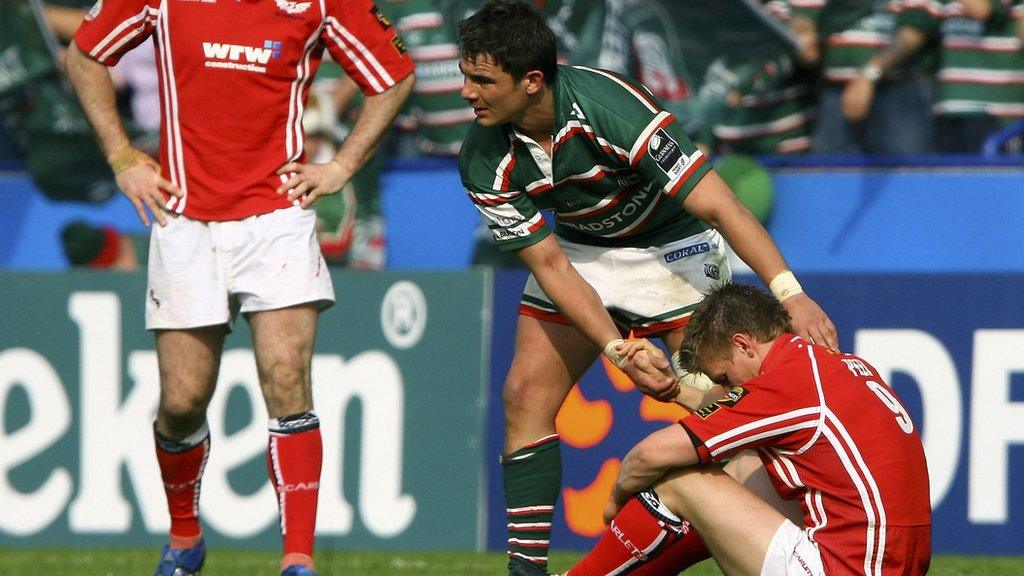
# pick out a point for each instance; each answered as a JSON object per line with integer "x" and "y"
{"x": 748, "y": 78}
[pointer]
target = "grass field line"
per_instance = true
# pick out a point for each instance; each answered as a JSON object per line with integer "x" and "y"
{"x": 140, "y": 562}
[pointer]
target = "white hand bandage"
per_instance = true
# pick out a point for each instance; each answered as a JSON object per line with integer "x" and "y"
{"x": 612, "y": 354}
{"x": 693, "y": 380}
{"x": 785, "y": 285}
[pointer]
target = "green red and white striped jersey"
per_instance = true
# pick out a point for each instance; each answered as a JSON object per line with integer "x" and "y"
{"x": 981, "y": 69}
{"x": 776, "y": 107}
{"x": 620, "y": 168}
{"x": 852, "y": 32}
{"x": 435, "y": 109}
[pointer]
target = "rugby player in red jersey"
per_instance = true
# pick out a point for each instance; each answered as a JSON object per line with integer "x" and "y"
{"x": 827, "y": 473}
{"x": 232, "y": 195}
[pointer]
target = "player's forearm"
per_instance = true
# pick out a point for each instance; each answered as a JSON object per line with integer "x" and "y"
{"x": 91, "y": 82}
{"x": 657, "y": 454}
{"x": 569, "y": 292}
{"x": 579, "y": 302}
{"x": 752, "y": 243}
{"x": 693, "y": 399}
{"x": 713, "y": 202}
{"x": 635, "y": 475}
{"x": 375, "y": 117}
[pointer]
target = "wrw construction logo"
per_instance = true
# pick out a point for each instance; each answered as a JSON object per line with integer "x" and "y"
{"x": 240, "y": 57}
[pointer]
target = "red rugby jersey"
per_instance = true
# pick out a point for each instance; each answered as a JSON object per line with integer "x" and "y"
{"x": 234, "y": 77}
{"x": 833, "y": 436}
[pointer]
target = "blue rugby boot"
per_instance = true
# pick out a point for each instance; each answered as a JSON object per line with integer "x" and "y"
{"x": 297, "y": 570}
{"x": 181, "y": 561}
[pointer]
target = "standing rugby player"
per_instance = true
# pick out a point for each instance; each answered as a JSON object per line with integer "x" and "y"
{"x": 232, "y": 195}
{"x": 641, "y": 221}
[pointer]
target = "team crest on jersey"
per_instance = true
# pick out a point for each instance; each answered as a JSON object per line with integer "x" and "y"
{"x": 94, "y": 11}
{"x": 399, "y": 45}
{"x": 667, "y": 154}
{"x": 381, "y": 18}
{"x": 729, "y": 400}
{"x": 291, "y": 7}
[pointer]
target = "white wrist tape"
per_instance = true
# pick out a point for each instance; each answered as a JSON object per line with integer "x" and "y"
{"x": 613, "y": 355}
{"x": 785, "y": 285}
{"x": 693, "y": 380}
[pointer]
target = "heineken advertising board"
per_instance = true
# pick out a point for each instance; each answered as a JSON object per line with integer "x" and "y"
{"x": 398, "y": 376}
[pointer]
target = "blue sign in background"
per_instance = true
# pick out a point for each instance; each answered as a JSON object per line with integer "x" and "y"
{"x": 950, "y": 308}
{"x": 900, "y": 221}
{"x": 825, "y": 220}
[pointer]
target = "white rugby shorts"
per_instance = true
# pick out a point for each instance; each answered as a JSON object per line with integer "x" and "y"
{"x": 204, "y": 273}
{"x": 647, "y": 290}
{"x": 791, "y": 553}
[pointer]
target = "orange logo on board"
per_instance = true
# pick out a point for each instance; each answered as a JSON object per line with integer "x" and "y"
{"x": 582, "y": 424}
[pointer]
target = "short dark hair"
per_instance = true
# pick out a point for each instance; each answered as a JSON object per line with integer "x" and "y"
{"x": 514, "y": 35}
{"x": 727, "y": 310}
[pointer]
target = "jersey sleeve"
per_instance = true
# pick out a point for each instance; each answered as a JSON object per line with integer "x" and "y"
{"x": 510, "y": 214}
{"x": 628, "y": 117}
{"x": 749, "y": 417}
{"x": 111, "y": 28}
{"x": 362, "y": 40}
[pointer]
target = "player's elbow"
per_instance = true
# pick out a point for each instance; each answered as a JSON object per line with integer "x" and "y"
{"x": 555, "y": 264}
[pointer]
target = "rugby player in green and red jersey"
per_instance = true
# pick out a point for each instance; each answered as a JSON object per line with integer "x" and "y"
{"x": 640, "y": 225}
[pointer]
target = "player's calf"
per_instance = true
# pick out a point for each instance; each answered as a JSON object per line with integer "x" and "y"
{"x": 294, "y": 457}
{"x": 645, "y": 538}
{"x": 533, "y": 479}
{"x": 181, "y": 467}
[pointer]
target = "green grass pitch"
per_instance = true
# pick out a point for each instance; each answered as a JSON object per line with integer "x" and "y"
{"x": 95, "y": 562}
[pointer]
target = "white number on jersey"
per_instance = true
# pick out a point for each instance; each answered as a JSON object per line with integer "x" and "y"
{"x": 890, "y": 401}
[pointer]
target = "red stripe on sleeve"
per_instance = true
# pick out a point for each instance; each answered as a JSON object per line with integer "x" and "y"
{"x": 668, "y": 120}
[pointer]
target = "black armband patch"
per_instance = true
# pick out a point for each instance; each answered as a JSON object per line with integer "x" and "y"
{"x": 666, "y": 153}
